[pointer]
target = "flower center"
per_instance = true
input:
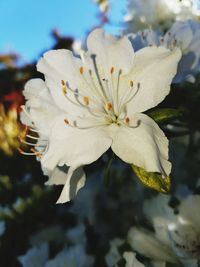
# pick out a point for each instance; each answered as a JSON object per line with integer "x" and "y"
{"x": 104, "y": 95}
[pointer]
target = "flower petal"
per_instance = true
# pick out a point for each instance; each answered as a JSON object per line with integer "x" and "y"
{"x": 73, "y": 146}
{"x": 40, "y": 106}
{"x": 131, "y": 260}
{"x": 110, "y": 51}
{"x": 144, "y": 146}
{"x": 75, "y": 180}
{"x": 154, "y": 69}
{"x": 146, "y": 243}
{"x": 61, "y": 65}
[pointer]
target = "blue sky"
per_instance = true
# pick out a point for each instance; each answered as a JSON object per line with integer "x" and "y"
{"x": 25, "y": 25}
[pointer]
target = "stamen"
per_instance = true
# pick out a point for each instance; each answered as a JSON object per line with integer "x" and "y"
{"x": 81, "y": 70}
{"x": 86, "y": 100}
{"x": 93, "y": 57}
{"x": 33, "y": 137}
{"x": 38, "y": 154}
{"x": 64, "y": 87}
{"x": 109, "y": 106}
{"x": 28, "y": 143}
{"x": 26, "y": 153}
{"x": 112, "y": 70}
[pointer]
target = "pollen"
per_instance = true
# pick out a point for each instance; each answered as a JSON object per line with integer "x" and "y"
{"x": 131, "y": 83}
{"x": 81, "y": 70}
{"x": 109, "y": 106}
{"x": 66, "y": 121}
{"x": 86, "y": 100}
{"x": 127, "y": 120}
{"x": 112, "y": 70}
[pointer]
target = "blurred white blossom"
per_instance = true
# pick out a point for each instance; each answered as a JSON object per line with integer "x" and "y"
{"x": 177, "y": 236}
{"x": 186, "y": 36}
{"x": 159, "y": 14}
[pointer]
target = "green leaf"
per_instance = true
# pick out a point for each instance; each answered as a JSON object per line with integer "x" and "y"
{"x": 153, "y": 180}
{"x": 165, "y": 114}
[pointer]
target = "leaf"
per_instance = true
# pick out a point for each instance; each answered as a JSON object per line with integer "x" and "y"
{"x": 165, "y": 114}
{"x": 152, "y": 179}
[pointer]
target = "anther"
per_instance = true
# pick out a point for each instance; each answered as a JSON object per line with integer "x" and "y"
{"x": 127, "y": 120}
{"x": 112, "y": 70}
{"x": 109, "y": 106}
{"x": 81, "y": 70}
{"x": 169, "y": 33}
{"x": 131, "y": 83}
{"x": 38, "y": 154}
{"x": 86, "y": 100}
{"x": 64, "y": 87}
{"x": 66, "y": 121}
{"x": 162, "y": 40}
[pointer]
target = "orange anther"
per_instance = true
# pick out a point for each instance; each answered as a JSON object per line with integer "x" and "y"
{"x": 112, "y": 70}
{"x": 81, "y": 70}
{"x": 127, "y": 120}
{"x": 86, "y": 100}
{"x": 66, "y": 121}
{"x": 109, "y": 106}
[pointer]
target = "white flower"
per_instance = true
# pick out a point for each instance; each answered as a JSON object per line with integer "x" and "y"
{"x": 159, "y": 14}
{"x": 90, "y": 104}
{"x": 177, "y": 236}
{"x": 186, "y": 36}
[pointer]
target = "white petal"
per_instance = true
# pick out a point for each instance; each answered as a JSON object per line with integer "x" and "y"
{"x": 144, "y": 146}
{"x": 73, "y": 146}
{"x": 58, "y": 65}
{"x": 40, "y": 106}
{"x": 58, "y": 176}
{"x": 131, "y": 260}
{"x": 145, "y": 243}
{"x": 110, "y": 51}
{"x": 181, "y": 32}
{"x": 154, "y": 69}
{"x": 189, "y": 210}
{"x": 75, "y": 180}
